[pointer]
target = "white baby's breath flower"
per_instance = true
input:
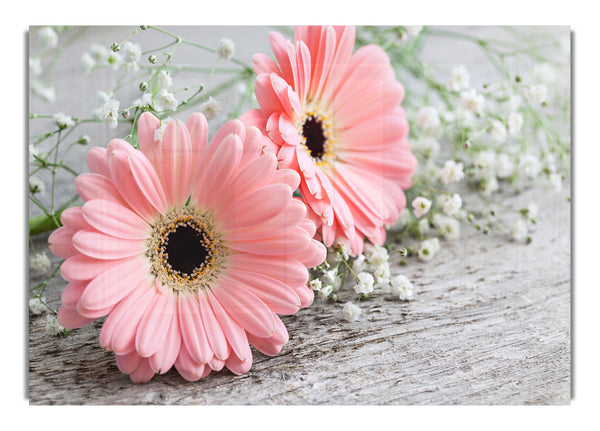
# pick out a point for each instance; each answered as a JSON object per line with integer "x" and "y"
{"x": 413, "y": 30}
{"x": 420, "y": 206}
{"x": 110, "y": 113}
{"x": 329, "y": 277}
{"x": 160, "y": 131}
{"x": 62, "y": 120}
{"x": 485, "y": 162}
{"x": 554, "y": 182}
{"x": 402, "y": 219}
{"x": 99, "y": 53}
{"x": 497, "y": 133}
{"x": 47, "y": 93}
{"x": 351, "y": 311}
{"x": 359, "y": 264}
{"x": 166, "y": 100}
{"x": 145, "y": 100}
{"x": 504, "y": 166}
{"x": 382, "y": 274}
{"x": 515, "y": 123}
{"x": 423, "y": 226}
{"x": 315, "y": 284}
{"x": 32, "y": 152}
{"x": 448, "y": 227}
{"x": 512, "y": 104}
{"x": 35, "y": 67}
{"x": 428, "y": 249}
{"x": 402, "y": 287}
{"x": 48, "y": 37}
{"x": 375, "y": 254}
{"x": 459, "y": 79}
{"x": 164, "y": 79}
{"x": 52, "y": 325}
{"x": 325, "y": 291}
{"x": 452, "y": 204}
{"x": 518, "y": 230}
{"x": 549, "y": 163}
{"x": 532, "y": 211}
{"x": 538, "y": 94}
{"x": 425, "y": 147}
{"x": 530, "y": 166}
{"x": 36, "y": 185}
{"x": 132, "y": 52}
{"x": 364, "y": 284}
{"x": 36, "y": 305}
{"x": 226, "y": 48}
{"x": 472, "y": 101}
{"x": 428, "y": 119}
{"x": 452, "y": 172}
{"x": 211, "y": 108}
{"x": 39, "y": 262}
{"x": 544, "y": 73}
{"x": 87, "y": 62}
{"x": 489, "y": 186}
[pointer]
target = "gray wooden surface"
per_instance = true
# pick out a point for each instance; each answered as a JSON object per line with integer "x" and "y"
{"x": 490, "y": 324}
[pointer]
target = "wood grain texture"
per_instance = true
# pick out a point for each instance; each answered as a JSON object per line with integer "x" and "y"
{"x": 490, "y": 324}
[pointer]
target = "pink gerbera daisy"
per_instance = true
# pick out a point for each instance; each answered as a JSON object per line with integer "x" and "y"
{"x": 335, "y": 118}
{"x": 190, "y": 250}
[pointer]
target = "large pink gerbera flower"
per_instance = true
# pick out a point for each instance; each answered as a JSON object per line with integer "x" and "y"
{"x": 191, "y": 250}
{"x": 335, "y": 118}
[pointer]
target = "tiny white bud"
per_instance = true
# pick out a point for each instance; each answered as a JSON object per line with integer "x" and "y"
{"x": 226, "y": 48}
{"x": 351, "y": 311}
{"x": 420, "y": 206}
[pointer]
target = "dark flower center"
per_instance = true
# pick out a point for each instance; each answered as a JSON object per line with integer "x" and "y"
{"x": 312, "y": 130}
{"x": 185, "y": 249}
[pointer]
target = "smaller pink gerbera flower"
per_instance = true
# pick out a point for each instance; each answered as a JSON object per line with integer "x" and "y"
{"x": 190, "y": 250}
{"x": 335, "y": 117}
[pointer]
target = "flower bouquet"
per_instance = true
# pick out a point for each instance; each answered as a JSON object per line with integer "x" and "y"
{"x": 341, "y": 156}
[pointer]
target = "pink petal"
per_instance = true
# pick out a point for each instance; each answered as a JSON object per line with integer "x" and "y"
{"x": 219, "y": 170}
{"x": 97, "y": 162}
{"x": 198, "y": 129}
{"x": 96, "y": 186}
{"x": 192, "y": 329}
{"x": 264, "y": 64}
{"x": 122, "y": 339}
{"x": 253, "y": 146}
{"x": 154, "y": 325}
{"x": 147, "y": 180}
{"x": 126, "y": 183}
{"x": 280, "y": 223}
{"x": 236, "y": 336}
{"x": 279, "y": 47}
{"x": 287, "y": 243}
{"x": 99, "y": 246}
{"x": 143, "y": 373}
{"x": 284, "y": 268}
{"x": 147, "y": 125}
{"x": 133, "y": 306}
{"x": 81, "y": 267}
{"x": 188, "y": 368}
{"x": 177, "y": 162}
{"x": 129, "y": 362}
{"x": 112, "y": 285}
{"x": 279, "y": 297}
{"x": 60, "y": 242}
{"x": 271, "y": 346}
{"x": 313, "y": 255}
{"x": 245, "y": 212}
{"x": 72, "y": 293}
{"x": 305, "y": 294}
{"x": 256, "y": 175}
{"x": 245, "y": 308}
{"x": 214, "y": 333}
{"x": 163, "y": 360}
{"x": 69, "y": 318}
{"x": 216, "y": 364}
{"x": 287, "y": 176}
{"x": 237, "y": 366}
{"x": 116, "y": 220}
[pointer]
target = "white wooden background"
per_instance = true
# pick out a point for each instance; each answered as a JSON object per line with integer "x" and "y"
{"x": 490, "y": 323}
